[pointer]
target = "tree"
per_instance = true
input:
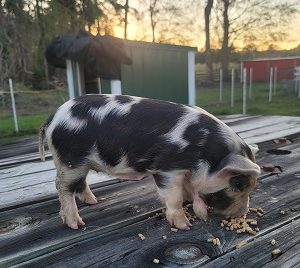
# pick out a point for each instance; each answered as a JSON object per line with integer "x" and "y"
{"x": 260, "y": 21}
{"x": 208, "y": 54}
{"x": 225, "y": 48}
{"x": 126, "y": 7}
{"x": 153, "y": 13}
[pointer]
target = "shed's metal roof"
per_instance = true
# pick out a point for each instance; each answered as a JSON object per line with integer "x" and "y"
{"x": 273, "y": 59}
{"x": 151, "y": 45}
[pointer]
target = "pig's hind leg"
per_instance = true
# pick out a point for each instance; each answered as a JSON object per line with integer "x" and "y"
{"x": 170, "y": 189}
{"x": 84, "y": 193}
{"x": 71, "y": 181}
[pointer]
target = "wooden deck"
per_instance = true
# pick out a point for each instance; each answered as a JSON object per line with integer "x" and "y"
{"x": 32, "y": 235}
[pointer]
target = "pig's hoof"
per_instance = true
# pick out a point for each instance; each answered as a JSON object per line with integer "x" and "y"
{"x": 74, "y": 224}
{"x": 72, "y": 221}
{"x": 179, "y": 220}
{"x": 183, "y": 226}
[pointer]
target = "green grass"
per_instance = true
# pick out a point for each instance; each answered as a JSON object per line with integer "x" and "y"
{"x": 28, "y": 124}
{"x": 33, "y": 108}
{"x": 283, "y": 103}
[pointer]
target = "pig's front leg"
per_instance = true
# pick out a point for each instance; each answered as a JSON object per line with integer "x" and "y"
{"x": 170, "y": 189}
{"x": 192, "y": 187}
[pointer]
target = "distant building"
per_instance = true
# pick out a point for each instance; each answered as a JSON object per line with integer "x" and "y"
{"x": 261, "y": 68}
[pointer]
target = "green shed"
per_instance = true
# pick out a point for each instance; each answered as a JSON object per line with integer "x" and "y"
{"x": 159, "y": 71}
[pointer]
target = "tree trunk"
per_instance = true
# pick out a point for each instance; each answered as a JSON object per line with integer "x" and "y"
{"x": 41, "y": 46}
{"x": 208, "y": 56}
{"x": 153, "y": 23}
{"x": 225, "y": 48}
{"x": 126, "y": 19}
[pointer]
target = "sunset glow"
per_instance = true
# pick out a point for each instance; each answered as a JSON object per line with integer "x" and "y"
{"x": 195, "y": 35}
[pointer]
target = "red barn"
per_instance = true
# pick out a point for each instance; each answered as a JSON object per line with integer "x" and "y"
{"x": 261, "y": 67}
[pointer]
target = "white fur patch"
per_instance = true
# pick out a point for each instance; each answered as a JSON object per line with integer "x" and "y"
{"x": 113, "y": 106}
{"x": 176, "y": 133}
{"x": 227, "y": 133}
{"x": 63, "y": 116}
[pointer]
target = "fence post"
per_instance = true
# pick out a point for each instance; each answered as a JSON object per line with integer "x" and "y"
{"x": 271, "y": 84}
{"x": 244, "y": 91}
{"x": 221, "y": 85}
{"x": 250, "y": 83}
{"x": 232, "y": 88}
{"x": 13, "y": 104}
{"x": 298, "y": 87}
{"x": 99, "y": 85}
{"x": 275, "y": 80}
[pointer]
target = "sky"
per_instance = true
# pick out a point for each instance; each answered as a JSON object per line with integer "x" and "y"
{"x": 294, "y": 33}
{"x": 195, "y": 33}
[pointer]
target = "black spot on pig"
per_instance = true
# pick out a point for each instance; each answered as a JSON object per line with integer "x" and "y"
{"x": 83, "y": 105}
{"x": 123, "y": 99}
{"x": 78, "y": 186}
{"x": 160, "y": 180}
{"x": 172, "y": 157}
{"x": 195, "y": 133}
{"x": 72, "y": 146}
{"x": 215, "y": 148}
{"x": 93, "y": 101}
{"x": 219, "y": 200}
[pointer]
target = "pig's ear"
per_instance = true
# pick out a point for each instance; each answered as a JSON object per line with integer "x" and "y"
{"x": 254, "y": 148}
{"x": 232, "y": 165}
{"x": 238, "y": 164}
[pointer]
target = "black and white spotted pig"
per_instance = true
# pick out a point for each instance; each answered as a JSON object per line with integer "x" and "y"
{"x": 190, "y": 153}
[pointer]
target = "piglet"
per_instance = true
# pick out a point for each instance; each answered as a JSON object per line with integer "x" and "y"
{"x": 191, "y": 154}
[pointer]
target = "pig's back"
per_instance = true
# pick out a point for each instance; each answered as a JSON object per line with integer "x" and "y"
{"x": 150, "y": 134}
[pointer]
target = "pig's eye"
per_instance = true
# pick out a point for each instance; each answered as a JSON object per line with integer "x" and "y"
{"x": 239, "y": 183}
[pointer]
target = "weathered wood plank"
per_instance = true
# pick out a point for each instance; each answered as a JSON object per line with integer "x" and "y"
{"x": 20, "y": 159}
{"x": 24, "y": 187}
{"x": 24, "y": 169}
{"x": 237, "y": 118}
{"x": 255, "y": 123}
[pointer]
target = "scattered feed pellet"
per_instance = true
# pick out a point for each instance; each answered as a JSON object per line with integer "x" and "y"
{"x": 276, "y": 252}
{"x": 215, "y": 241}
{"x": 175, "y": 230}
{"x": 282, "y": 212}
{"x": 164, "y": 237}
{"x": 273, "y": 242}
{"x": 240, "y": 225}
{"x": 189, "y": 216}
{"x": 141, "y": 236}
{"x": 156, "y": 261}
